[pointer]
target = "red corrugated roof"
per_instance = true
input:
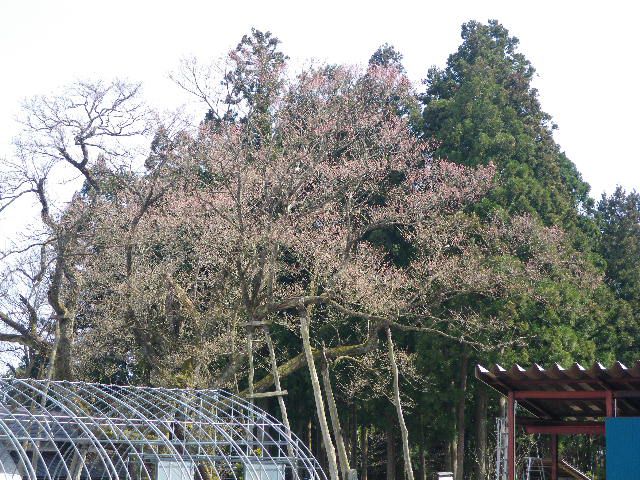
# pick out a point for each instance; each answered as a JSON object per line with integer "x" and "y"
{"x": 623, "y": 381}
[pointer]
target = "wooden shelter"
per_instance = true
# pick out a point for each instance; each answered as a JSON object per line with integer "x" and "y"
{"x": 575, "y": 400}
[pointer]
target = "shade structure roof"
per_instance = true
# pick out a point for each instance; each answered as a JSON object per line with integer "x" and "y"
{"x": 576, "y": 392}
{"x": 79, "y": 431}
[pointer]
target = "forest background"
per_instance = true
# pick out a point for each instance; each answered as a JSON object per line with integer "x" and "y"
{"x": 339, "y": 233}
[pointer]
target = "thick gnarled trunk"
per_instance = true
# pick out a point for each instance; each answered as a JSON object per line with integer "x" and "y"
{"x": 64, "y": 345}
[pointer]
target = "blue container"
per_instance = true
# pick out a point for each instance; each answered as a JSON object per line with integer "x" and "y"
{"x": 623, "y": 448}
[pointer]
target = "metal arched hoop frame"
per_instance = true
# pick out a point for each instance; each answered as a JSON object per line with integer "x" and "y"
{"x": 53, "y": 430}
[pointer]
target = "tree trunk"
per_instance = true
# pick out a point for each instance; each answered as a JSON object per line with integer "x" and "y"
{"x": 423, "y": 457}
{"x": 391, "y": 452}
{"x": 404, "y": 433}
{"x": 204, "y": 471}
{"x": 354, "y": 435}
{"x": 317, "y": 395}
{"x": 64, "y": 313}
{"x": 63, "y": 358}
{"x": 364, "y": 453}
{"x": 481, "y": 432}
{"x": 453, "y": 448}
{"x": 77, "y": 464}
{"x": 335, "y": 419}
{"x": 50, "y": 372}
{"x": 460, "y": 420}
{"x": 49, "y": 369}
{"x": 276, "y": 381}
{"x": 250, "y": 359}
{"x": 250, "y": 431}
{"x": 448, "y": 463}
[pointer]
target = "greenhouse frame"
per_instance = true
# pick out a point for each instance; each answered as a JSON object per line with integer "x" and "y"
{"x": 51, "y": 430}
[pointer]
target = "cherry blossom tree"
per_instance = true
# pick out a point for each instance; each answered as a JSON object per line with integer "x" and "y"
{"x": 297, "y": 230}
{"x": 301, "y": 206}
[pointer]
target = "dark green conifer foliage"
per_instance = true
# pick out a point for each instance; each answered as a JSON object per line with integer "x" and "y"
{"x": 387, "y": 56}
{"x": 482, "y": 108}
{"x": 251, "y": 83}
{"x": 618, "y": 219}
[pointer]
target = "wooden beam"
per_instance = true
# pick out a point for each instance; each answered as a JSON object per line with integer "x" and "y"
{"x": 268, "y": 394}
{"x": 535, "y": 409}
{"x": 561, "y": 395}
{"x": 626, "y": 393}
{"x": 554, "y": 381}
{"x": 565, "y": 429}
{"x": 544, "y": 422}
{"x": 256, "y": 323}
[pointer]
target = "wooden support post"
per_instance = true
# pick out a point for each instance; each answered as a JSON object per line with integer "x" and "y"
{"x": 511, "y": 436}
{"x": 609, "y": 404}
{"x": 554, "y": 457}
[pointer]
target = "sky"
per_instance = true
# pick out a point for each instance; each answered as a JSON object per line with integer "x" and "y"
{"x": 585, "y": 54}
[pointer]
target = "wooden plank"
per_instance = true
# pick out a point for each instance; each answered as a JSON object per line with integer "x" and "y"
{"x": 560, "y": 395}
{"x": 565, "y": 429}
{"x": 256, "y": 323}
{"x": 268, "y": 394}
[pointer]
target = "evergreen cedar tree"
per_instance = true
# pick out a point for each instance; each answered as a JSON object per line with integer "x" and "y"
{"x": 154, "y": 280}
{"x": 618, "y": 218}
{"x": 481, "y": 107}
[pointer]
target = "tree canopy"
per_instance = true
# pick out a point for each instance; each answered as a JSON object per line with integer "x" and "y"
{"x": 482, "y": 108}
{"x": 333, "y": 241}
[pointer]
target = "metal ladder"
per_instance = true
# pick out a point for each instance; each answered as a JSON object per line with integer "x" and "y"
{"x": 502, "y": 447}
{"x": 535, "y": 469}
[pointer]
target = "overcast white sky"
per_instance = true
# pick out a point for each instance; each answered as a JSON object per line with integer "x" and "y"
{"x": 585, "y": 54}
